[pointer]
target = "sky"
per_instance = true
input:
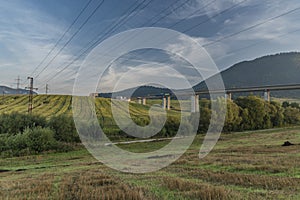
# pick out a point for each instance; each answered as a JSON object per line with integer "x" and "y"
{"x": 230, "y": 31}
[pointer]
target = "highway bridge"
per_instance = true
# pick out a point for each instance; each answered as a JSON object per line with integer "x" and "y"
{"x": 166, "y": 98}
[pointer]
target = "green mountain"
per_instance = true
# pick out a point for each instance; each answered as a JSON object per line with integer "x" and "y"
{"x": 7, "y": 90}
{"x": 141, "y": 91}
{"x": 278, "y": 69}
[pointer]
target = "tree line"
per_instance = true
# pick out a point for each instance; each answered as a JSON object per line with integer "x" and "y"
{"x": 252, "y": 113}
{"x": 23, "y": 134}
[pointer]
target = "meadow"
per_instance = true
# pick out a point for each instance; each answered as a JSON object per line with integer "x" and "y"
{"x": 243, "y": 165}
{"x": 248, "y": 165}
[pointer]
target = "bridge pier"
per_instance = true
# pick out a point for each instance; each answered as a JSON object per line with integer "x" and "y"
{"x": 228, "y": 96}
{"x": 267, "y": 95}
{"x": 139, "y": 100}
{"x": 195, "y": 103}
{"x": 144, "y": 101}
{"x": 164, "y": 102}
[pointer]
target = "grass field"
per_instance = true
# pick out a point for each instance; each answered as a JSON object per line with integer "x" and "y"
{"x": 249, "y": 165}
{"x": 49, "y": 105}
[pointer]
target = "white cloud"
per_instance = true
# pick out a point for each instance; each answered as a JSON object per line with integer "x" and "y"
{"x": 26, "y": 37}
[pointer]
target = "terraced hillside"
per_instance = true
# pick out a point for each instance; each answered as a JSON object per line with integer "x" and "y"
{"x": 50, "y": 105}
{"x": 43, "y": 105}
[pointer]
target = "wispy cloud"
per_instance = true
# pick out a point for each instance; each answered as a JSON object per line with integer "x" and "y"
{"x": 26, "y": 36}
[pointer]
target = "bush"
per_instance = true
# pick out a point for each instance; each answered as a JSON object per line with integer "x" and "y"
{"x": 256, "y": 112}
{"x": 40, "y": 139}
{"x": 233, "y": 119}
{"x": 15, "y": 122}
{"x": 3, "y": 142}
{"x": 171, "y": 127}
{"x": 291, "y": 116}
{"x": 64, "y": 128}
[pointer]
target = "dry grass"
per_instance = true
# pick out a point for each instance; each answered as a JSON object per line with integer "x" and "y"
{"x": 28, "y": 188}
{"x": 80, "y": 185}
{"x": 96, "y": 185}
{"x": 238, "y": 168}
{"x": 194, "y": 190}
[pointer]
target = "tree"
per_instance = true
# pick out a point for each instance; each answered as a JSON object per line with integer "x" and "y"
{"x": 276, "y": 114}
{"x": 256, "y": 112}
{"x": 64, "y": 128}
{"x": 285, "y": 104}
{"x": 233, "y": 118}
{"x": 295, "y": 105}
{"x": 291, "y": 116}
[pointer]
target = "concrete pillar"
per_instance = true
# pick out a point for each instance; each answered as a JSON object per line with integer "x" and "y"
{"x": 195, "y": 103}
{"x": 139, "y": 100}
{"x": 168, "y": 103}
{"x": 229, "y": 96}
{"x": 144, "y": 101}
{"x": 267, "y": 95}
{"x": 164, "y": 103}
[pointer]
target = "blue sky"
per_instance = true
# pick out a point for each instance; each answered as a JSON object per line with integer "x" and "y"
{"x": 30, "y": 28}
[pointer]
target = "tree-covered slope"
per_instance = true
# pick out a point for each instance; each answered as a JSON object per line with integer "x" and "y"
{"x": 279, "y": 69}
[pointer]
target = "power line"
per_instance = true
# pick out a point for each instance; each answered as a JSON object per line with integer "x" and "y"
{"x": 251, "y": 27}
{"x": 60, "y": 39}
{"x": 111, "y": 30}
{"x": 256, "y": 43}
{"x": 244, "y": 30}
{"x": 70, "y": 39}
{"x": 220, "y": 13}
{"x": 191, "y": 28}
{"x": 196, "y": 11}
{"x": 202, "y": 22}
{"x": 100, "y": 39}
{"x": 18, "y": 84}
{"x": 153, "y": 23}
{"x": 47, "y": 89}
{"x": 30, "y": 94}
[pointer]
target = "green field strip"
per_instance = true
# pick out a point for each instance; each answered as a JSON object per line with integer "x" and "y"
{"x": 51, "y": 108}
{"x": 6, "y": 99}
{"x": 22, "y": 106}
{"x": 44, "y": 110}
{"x": 65, "y": 106}
{"x": 57, "y": 105}
{"x": 13, "y": 102}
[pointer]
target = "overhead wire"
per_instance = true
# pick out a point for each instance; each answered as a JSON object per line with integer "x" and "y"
{"x": 71, "y": 38}
{"x": 100, "y": 39}
{"x": 211, "y": 43}
{"x": 63, "y": 35}
{"x": 96, "y": 40}
{"x": 60, "y": 39}
{"x": 256, "y": 43}
{"x": 252, "y": 27}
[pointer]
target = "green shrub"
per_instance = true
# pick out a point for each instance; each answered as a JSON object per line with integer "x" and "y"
{"x": 64, "y": 128}
{"x": 15, "y": 122}
{"x": 3, "y": 142}
{"x": 291, "y": 116}
{"x": 40, "y": 139}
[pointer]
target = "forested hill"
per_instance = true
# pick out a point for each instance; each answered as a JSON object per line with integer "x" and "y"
{"x": 8, "y": 90}
{"x": 139, "y": 92}
{"x": 278, "y": 69}
{"x": 283, "y": 68}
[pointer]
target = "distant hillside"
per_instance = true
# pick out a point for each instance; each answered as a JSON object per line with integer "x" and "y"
{"x": 8, "y": 90}
{"x": 138, "y": 92}
{"x": 279, "y": 69}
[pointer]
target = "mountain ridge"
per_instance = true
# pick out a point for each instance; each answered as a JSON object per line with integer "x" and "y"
{"x": 276, "y": 69}
{"x": 5, "y": 90}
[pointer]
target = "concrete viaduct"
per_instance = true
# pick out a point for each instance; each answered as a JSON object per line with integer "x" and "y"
{"x": 166, "y": 98}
